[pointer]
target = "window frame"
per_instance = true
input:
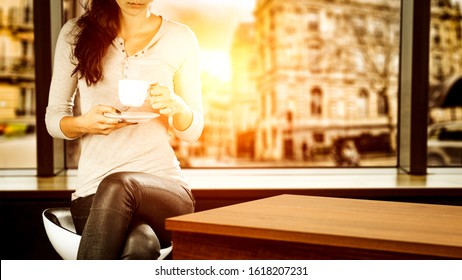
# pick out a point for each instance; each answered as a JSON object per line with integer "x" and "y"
{"x": 412, "y": 102}
{"x": 50, "y": 152}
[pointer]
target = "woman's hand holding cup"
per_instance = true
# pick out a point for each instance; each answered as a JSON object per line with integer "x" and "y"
{"x": 165, "y": 101}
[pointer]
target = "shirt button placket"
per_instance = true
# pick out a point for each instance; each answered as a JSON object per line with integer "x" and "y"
{"x": 125, "y": 70}
{"x": 124, "y": 74}
{"x": 122, "y": 46}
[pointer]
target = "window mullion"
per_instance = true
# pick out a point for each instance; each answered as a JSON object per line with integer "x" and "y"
{"x": 413, "y": 95}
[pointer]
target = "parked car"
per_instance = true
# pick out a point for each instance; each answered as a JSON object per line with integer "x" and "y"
{"x": 445, "y": 144}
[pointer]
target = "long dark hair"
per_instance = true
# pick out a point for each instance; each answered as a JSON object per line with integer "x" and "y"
{"x": 96, "y": 29}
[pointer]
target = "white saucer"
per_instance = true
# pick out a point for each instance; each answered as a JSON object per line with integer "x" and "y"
{"x": 134, "y": 117}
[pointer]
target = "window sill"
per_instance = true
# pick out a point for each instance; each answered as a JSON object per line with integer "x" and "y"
{"x": 264, "y": 178}
{"x": 319, "y": 178}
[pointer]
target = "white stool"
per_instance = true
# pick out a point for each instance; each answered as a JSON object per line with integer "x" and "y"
{"x": 60, "y": 230}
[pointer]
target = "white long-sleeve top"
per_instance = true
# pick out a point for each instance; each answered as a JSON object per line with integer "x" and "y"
{"x": 172, "y": 59}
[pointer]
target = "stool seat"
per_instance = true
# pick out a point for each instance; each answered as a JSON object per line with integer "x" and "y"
{"x": 60, "y": 230}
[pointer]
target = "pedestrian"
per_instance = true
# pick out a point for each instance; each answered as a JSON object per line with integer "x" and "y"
{"x": 349, "y": 153}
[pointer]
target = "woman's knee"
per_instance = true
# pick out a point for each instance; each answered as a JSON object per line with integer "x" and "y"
{"x": 119, "y": 186}
{"x": 141, "y": 244}
{"x": 115, "y": 181}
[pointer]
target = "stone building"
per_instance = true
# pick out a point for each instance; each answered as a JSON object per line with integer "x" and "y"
{"x": 244, "y": 103}
{"x": 445, "y": 61}
{"x": 327, "y": 69}
{"x": 216, "y": 140}
{"x": 17, "y": 94}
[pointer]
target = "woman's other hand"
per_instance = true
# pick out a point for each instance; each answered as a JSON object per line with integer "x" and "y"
{"x": 93, "y": 122}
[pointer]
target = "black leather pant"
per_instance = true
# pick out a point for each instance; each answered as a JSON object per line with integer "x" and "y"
{"x": 125, "y": 219}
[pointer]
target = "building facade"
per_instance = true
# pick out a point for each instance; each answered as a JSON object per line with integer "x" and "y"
{"x": 328, "y": 70}
{"x": 445, "y": 58}
{"x": 17, "y": 93}
{"x": 244, "y": 102}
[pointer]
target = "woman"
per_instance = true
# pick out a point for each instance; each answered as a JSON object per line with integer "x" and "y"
{"x": 129, "y": 180}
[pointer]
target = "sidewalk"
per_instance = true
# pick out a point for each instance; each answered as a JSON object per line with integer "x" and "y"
{"x": 326, "y": 161}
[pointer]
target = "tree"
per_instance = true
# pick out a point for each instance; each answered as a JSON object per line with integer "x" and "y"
{"x": 376, "y": 38}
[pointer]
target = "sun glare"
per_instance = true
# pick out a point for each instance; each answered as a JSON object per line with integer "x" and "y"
{"x": 216, "y": 64}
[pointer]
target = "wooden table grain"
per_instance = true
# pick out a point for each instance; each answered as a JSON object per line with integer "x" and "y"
{"x": 308, "y": 227}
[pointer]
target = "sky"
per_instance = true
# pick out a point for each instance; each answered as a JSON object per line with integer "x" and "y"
{"x": 214, "y": 23}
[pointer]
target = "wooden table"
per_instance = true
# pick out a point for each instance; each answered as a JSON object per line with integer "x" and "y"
{"x": 308, "y": 227}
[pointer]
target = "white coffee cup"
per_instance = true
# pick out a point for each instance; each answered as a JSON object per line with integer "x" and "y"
{"x": 133, "y": 92}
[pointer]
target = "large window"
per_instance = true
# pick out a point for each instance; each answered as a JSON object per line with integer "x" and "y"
{"x": 281, "y": 82}
{"x": 295, "y": 83}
